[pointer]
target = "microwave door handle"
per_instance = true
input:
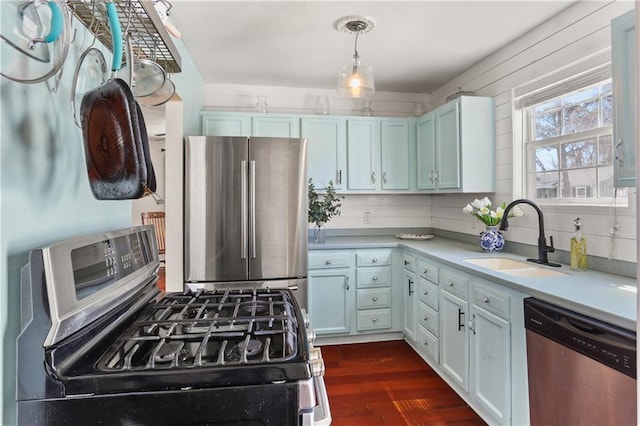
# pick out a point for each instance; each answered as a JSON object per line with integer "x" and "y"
{"x": 252, "y": 194}
{"x": 243, "y": 207}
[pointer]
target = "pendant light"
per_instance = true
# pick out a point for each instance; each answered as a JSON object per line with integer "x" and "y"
{"x": 356, "y": 79}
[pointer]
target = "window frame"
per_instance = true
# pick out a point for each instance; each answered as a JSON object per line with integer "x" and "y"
{"x": 563, "y": 81}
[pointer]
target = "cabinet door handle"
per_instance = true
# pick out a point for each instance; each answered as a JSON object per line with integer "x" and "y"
{"x": 374, "y": 278}
{"x": 450, "y": 284}
{"x": 460, "y": 319}
{"x": 431, "y": 176}
{"x": 373, "y": 178}
{"x": 425, "y": 293}
{"x": 619, "y": 153}
{"x": 410, "y": 287}
{"x": 425, "y": 343}
{"x": 435, "y": 176}
{"x": 374, "y": 298}
{"x": 406, "y": 262}
{"x": 471, "y": 323}
{"x": 425, "y": 271}
{"x": 425, "y": 319}
{"x": 346, "y": 282}
{"x": 485, "y": 300}
{"x": 384, "y": 177}
{"x": 339, "y": 177}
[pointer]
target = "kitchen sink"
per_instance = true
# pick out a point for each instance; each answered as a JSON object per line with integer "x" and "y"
{"x": 514, "y": 267}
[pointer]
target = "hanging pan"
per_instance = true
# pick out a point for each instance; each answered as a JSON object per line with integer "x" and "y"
{"x": 114, "y": 134}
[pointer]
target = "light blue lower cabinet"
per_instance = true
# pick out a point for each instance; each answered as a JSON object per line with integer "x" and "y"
{"x": 427, "y": 344}
{"x": 351, "y": 292}
{"x": 490, "y": 363}
{"x": 331, "y": 301}
{"x": 471, "y": 332}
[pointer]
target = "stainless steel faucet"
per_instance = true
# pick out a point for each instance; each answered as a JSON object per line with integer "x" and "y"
{"x": 543, "y": 248}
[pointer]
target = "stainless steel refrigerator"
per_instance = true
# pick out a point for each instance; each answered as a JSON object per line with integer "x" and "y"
{"x": 246, "y": 212}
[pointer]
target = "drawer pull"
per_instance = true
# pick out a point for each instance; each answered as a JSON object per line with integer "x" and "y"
{"x": 450, "y": 284}
{"x": 328, "y": 262}
{"x": 374, "y": 260}
{"x": 425, "y": 343}
{"x": 425, "y": 271}
{"x": 426, "y": 319}
{"x": 374, "y": 319}
{"x": 374, "y": 298}
{"x": 485, "y": 299}
{"x": 406, "y": 262}
{"x": 374, "y": 278}
{"x": 425, "y": 293}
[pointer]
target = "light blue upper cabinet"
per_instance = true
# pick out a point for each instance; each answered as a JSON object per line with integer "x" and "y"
{"x": 276, "y": 126}
{"x": 327, "y": 150}
{"x": 447, "y": 173}
{"x": 426, "y": 148}
{"x": 456, "y": 147}
{"x": 395, "y": 144}
{"x": 224, "y": 124}
{"x": 363, "y": 145}
{"x": 624, "y": 76}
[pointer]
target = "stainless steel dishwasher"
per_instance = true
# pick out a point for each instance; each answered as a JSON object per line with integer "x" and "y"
{"x": 582, "y": 371}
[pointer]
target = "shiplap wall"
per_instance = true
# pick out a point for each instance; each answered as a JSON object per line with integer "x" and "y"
{"x": 581, "y": 31}
{"x": 385, "y": 211}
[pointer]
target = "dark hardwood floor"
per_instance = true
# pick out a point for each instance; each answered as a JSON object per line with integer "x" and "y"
{"x": 387, "y": 383}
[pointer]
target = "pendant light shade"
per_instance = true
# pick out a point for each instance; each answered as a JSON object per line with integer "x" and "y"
{"x": 355, "y": 80}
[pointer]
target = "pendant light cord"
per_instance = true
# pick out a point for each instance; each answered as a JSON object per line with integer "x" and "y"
{"x": 355, "y": 47}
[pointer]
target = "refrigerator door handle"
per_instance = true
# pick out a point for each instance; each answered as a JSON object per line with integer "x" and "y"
{"x": 243, "y": 206}
{"x": 252, "y": 194}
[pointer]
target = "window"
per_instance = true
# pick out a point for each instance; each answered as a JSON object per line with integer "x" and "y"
{"x": 568, "y": 143}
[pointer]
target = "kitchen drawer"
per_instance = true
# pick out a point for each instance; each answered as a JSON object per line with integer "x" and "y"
{"x": 373, "y": 319}
{"x": 492, "y": 300}
{"x": 428, "y": 318}
{"x": 428, "y": 270}
{"x": 428, "y": 293}
{"x": 455, "y": 284}
{"x": 409, "y": 262}
{"x": 373, "y": 298}
{"x": 427, "y": 343}
{"x": 373, "y": 277}
{"x": 321, "y": 259}
{"x": 373, "y": 258}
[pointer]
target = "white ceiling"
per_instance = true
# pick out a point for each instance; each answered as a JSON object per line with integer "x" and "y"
{"x": 416, "y": 46}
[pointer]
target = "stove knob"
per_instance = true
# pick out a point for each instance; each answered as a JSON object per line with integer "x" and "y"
{"x": 311, "y": 335}
{"x": 317, "y": 364}
{"x": 305, "y": 318}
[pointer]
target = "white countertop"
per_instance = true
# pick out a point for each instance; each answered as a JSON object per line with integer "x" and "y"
{"x": 608, "y": 297}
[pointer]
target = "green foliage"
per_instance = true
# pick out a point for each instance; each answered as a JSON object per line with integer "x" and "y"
{"x": 323, "y": 209}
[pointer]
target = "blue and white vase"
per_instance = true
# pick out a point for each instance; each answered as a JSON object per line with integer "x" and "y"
{"x": 491, "y": 240}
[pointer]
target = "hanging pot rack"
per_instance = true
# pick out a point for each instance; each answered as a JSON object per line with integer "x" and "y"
{"x": 141, "y": 19}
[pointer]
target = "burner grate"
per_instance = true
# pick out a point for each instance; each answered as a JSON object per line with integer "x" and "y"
{"x": 208, "y": 328}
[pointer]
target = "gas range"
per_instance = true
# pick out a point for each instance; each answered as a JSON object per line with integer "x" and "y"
{"x": 90, "y": 352}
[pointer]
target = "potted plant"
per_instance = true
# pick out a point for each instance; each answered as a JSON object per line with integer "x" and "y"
{"x": 322, "y": 209}
{"x": 491, "y": 240}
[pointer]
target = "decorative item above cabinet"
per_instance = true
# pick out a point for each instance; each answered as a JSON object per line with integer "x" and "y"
{"x": 137, "y": 16}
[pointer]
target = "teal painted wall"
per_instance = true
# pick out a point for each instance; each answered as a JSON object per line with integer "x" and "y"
{"x": 44, "y": 190}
